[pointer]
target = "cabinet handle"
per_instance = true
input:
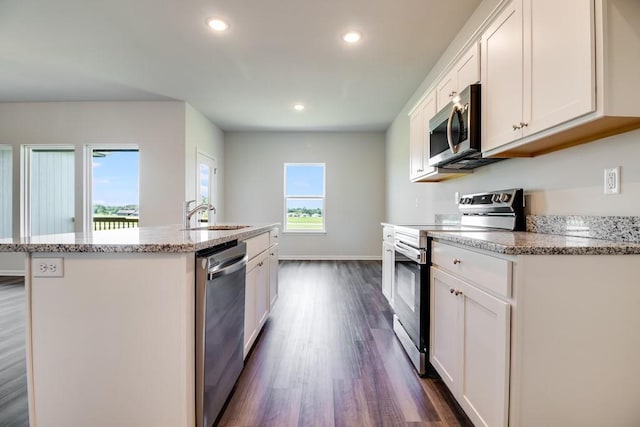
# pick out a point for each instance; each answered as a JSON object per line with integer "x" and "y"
{"x": 420, "y": 170}
{"x": 516, "y": 127}
{"x": 272, "y": 254}
{"x": 458, "y": 293}
{"x": 457, "y": 261}
{"x": 261, "y": 263}
{"x": 389, "y": 235}
{"x": 389, "y": 250}
{"x": 451, "y": 290}
{"x": 523, "y": 124}
{"x": 452, "y": 94}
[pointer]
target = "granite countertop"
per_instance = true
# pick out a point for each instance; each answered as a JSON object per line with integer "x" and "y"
{"x": 526, "y": 243}
{"x": 166, "y": 239}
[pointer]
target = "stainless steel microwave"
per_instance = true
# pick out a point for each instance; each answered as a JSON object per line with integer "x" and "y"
{"x": 454, "y": 133}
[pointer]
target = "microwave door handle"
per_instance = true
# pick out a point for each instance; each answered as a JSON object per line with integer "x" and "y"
{"x": 452, "y": 146}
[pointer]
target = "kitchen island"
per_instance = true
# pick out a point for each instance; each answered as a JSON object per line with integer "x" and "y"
{"x": 110, "y": 324}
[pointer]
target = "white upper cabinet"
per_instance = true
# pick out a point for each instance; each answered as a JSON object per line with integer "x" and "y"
{"x": 418, "y": 136}
{"x": 538, "y": 68}
{"x": 559, "y": 62}
{"x": 553, "y": 75}
{"x": 502, "y": 80}
{"x": 464, "y": 72}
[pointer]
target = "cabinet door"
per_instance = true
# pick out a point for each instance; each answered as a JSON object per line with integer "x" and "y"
{"x": 273, "y": 275}
{"x": 262, "y": 290}
{"x": 559, "y": 64}
{"x": 250, "y": 321}
{"x": 484, "y": 375}
{"x": 428, "y": 108}
{"x": 445, "y": 347}
{"x": 467, "y": 69}
{"x": 388, "y": 256}
{"x": 416, "y": 143}
{"x": 502, "y": 86}
{"x": 418, "y": 136}
{"x": 446, "y": 89}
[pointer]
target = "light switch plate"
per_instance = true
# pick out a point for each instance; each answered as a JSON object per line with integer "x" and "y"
{"x": 47, "y": 267}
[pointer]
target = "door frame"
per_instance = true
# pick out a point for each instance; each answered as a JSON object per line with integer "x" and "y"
{"x": 213, "y": 181}
{"x": 25, "y": 181}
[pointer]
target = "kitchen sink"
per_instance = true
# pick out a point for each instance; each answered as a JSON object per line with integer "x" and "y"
{"x": 221, "y": 227}
{"x": 225, "y": 227}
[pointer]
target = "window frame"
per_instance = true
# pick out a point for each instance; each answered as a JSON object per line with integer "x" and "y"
{"x": 323, "y": 198}
{"x": 88, "y": 178}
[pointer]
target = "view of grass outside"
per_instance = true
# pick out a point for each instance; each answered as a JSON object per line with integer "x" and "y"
{"x": 304, "y": 197}
{"x": 305, "y": 219}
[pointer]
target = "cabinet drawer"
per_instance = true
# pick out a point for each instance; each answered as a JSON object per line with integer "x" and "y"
{"x": 274, "y": 236}
{"x": 494, "y": 274}
{"x": 257, "y": 244}
{"x": 387, "y": 234}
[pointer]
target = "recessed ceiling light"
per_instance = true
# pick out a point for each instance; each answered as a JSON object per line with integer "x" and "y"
{"x": 298, "y": 106}
{"x": 352, "y": 37}
{"x": 217, "y": 24}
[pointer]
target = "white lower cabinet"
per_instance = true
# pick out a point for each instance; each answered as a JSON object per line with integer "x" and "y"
{"x": 470, "y": 332}
{"x": 273, "y": 274}
{"x": 260, "y": 287}
{"x": 388, "y": 258}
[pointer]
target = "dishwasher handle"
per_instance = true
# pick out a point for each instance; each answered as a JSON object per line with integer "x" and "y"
{"x": 228, "y": 267}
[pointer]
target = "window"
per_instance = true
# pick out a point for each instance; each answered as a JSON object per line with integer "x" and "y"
{"x": 114, "y": 201}
{"x": 304, "y": 194}
{"x": 6, "y": 202}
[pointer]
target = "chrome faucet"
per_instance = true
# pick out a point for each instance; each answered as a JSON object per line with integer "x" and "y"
{"x": 200, "y": 208}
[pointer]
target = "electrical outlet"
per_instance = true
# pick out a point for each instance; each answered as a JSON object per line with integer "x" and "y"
{"x": 47, "y": 267}
{"x": 612, "y": 180}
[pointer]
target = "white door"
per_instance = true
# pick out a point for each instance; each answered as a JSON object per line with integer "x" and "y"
{"x": 50, "y": 191}
{"x": 206, "y": 185}
{"x": 6, "y": 202}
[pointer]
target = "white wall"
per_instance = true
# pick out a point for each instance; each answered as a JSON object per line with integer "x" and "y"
{"x": 204, "y": 136}
{"x": 157, "y": 128}
{"x": 254, "y": 164}
{"x": 566, "y": 182}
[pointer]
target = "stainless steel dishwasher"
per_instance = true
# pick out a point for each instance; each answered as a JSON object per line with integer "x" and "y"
{"x": 220, "y": 282}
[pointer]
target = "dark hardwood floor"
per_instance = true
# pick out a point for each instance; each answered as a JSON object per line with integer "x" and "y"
{"x": 13, "y": 368}
{"x": 328, "y": 357}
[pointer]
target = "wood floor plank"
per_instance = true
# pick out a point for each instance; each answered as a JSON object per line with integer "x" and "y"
{"x": 328, "y": 357}
{"x": 13, "y": 368}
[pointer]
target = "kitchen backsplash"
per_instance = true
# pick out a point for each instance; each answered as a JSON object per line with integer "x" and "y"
{"x": 618, "y": 228}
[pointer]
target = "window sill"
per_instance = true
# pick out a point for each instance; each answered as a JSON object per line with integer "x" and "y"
{"x": 303, "y": 232}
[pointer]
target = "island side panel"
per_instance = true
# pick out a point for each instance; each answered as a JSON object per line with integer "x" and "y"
{"x": 576, "y": 346}
{"x": 113, "y": 341}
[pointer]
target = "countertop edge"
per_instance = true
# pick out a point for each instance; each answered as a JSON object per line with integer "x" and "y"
{"x": 190, "y": 243}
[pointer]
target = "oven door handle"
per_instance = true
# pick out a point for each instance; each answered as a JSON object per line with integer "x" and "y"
{"x": 417, "y": 255}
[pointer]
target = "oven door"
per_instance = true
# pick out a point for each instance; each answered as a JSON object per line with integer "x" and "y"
{"x": 411, "y": 295}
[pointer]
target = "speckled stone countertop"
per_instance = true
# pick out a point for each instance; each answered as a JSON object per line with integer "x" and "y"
{"x": 166, "y": 239}
{"x": 524, "y": 243}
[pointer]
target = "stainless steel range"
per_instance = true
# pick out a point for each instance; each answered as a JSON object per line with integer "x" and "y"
{"x": 495, "y": 210}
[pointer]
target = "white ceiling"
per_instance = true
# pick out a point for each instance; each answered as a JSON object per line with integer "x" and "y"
{"x": 276, "y": 52}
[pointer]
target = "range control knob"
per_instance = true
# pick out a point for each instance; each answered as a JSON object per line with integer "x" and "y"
{"x": 505, "y": 197}
{"x": 495, "y": 198}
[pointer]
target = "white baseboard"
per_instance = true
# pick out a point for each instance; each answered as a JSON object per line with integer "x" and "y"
{"x": 330, "y": 258}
